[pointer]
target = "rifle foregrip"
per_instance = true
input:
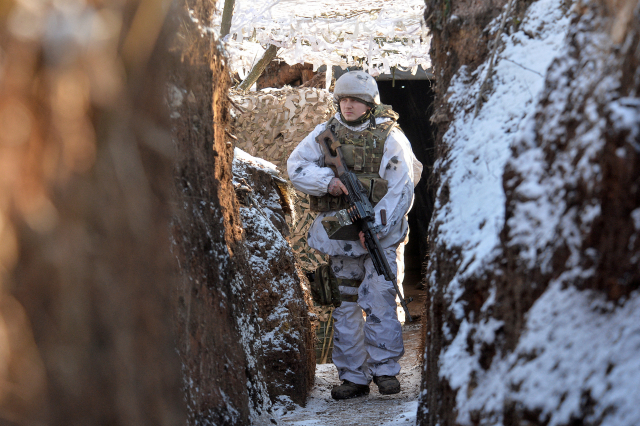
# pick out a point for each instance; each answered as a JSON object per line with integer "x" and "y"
{"x": 377, "y": 256}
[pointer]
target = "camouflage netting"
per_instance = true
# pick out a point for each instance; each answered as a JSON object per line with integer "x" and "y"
{"x": 269, "y": 125}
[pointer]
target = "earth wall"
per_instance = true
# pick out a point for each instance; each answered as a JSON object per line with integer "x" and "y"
{"x": 234, "y": 292}
{"x": 278, "y": 284}
{"x": 86, "y": 170}
{"x": 528, "y": 307}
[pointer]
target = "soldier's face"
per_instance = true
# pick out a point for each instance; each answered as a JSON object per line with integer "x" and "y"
{"x": 352, "y": 109}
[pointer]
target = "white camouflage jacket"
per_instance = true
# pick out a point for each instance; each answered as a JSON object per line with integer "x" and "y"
{"x": 399, "y": 167}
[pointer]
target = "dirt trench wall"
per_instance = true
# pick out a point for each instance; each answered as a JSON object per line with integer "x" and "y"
{"x": 459, "y": 38}
{"x": 86, "y": 270}
{"x": 242, "y": 311}
{"x": 116, "y": 248}
{"x": 525, "y": 311}
{"x": 217, "y": 319}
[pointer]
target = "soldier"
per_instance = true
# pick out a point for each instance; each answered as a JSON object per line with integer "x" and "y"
{"x": 379, "y": 153}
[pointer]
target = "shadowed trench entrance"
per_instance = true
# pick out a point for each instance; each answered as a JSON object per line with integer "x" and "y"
{"x": 413, "y": 101}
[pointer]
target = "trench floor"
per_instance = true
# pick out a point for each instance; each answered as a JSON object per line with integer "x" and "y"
{"x": 374, "y": 409}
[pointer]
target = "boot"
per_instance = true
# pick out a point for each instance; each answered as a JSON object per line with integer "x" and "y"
{"x": 387, "y": 385}
{"x": 349, "y": 390}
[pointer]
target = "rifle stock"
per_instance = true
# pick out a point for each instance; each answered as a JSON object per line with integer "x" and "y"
{"x": 360, "y": 209}
{"x": 327, "y": 139}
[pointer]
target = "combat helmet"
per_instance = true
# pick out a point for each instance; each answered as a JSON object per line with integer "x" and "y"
{"x": 359, "y": 85}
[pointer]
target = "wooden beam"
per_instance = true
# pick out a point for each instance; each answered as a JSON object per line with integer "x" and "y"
{"x": 227, "y": 14}
{"x": 259, "y": 67}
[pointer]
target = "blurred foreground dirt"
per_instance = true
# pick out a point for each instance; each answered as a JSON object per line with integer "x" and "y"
{"x": 86, "y": 167}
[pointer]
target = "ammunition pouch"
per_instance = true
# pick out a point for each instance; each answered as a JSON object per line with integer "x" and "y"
{"x": 325, "y": 287}
{"x": 340, "y": 227}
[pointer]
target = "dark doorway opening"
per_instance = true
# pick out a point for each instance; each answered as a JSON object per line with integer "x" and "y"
{"x": 413, "y": 100}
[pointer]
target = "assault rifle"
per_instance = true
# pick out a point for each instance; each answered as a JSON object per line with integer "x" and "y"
{"x": 360, "y": 210}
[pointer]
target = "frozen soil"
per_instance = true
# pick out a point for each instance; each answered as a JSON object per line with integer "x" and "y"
{"x": 377, "y": 409}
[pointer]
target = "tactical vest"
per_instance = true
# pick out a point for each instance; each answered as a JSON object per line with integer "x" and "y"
{"x": 363, "y": 153}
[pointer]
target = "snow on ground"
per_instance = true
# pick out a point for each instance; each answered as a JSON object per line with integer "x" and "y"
{"x": 375, "y": 409}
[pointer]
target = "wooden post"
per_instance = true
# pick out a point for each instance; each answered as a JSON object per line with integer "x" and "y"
{"x": 259, "y": 67}
{"x": 227, "y": 14}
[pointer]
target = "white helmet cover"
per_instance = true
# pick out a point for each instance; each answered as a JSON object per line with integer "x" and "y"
{"x": 357, "y": 84}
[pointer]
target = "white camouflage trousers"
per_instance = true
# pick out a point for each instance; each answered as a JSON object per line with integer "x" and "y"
{"x": 372, "y": 347}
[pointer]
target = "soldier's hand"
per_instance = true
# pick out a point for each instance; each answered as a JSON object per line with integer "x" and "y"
{"x": 336, "y": 187}
{"x": 362, "y": 239}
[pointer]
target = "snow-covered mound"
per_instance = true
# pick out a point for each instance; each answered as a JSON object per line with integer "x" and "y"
{"x": 284, "y": 326}
{"x": 240, "y": 156}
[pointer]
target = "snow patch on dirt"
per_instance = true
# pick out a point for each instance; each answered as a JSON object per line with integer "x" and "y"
{"x": 557, "y": 368}
{"x": 576, "y": 359}
{"x": 474, "y": 214}
{"x": 240, "y": 155}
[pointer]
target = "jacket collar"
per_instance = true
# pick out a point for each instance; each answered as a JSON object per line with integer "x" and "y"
{"x": 362, "y": 126}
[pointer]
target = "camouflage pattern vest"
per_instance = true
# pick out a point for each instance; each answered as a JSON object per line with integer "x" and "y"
{"x": 363, "y": 153}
